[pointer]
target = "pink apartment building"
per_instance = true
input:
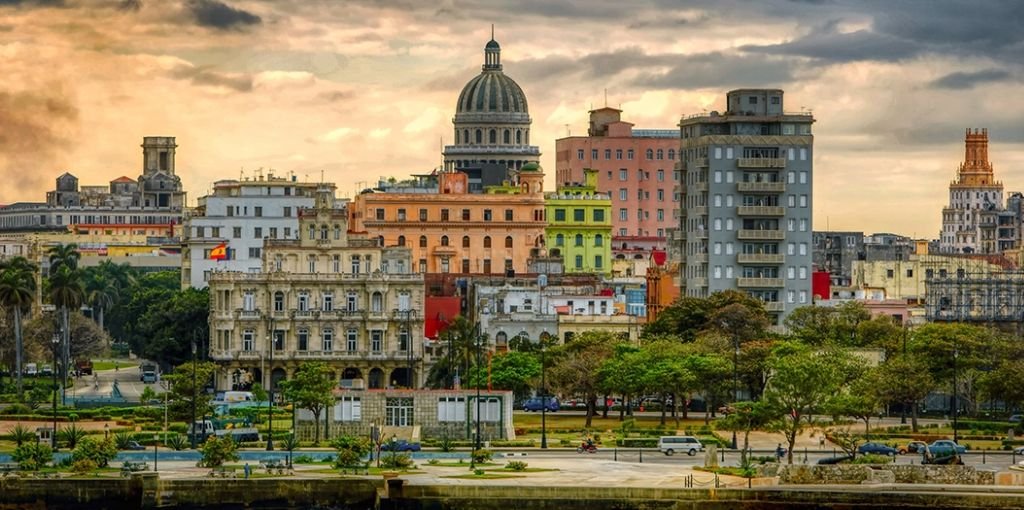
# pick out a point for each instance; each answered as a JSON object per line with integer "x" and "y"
{"x": 636, "y": 168}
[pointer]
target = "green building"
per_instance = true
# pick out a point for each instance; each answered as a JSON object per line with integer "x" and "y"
{"x": 580, "y": 226}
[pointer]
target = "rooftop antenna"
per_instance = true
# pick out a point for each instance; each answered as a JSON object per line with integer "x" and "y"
{"x": 492, "y": 31}
{"x": 321, "y": 176}
{"x": 568, "y": 132}
{"x": 606, "y": 98}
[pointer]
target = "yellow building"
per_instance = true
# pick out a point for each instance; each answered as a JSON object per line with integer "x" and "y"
{"x": 580, "y": 226}
{"x": 905, "y": 279}
{"x": 331, "y": 295}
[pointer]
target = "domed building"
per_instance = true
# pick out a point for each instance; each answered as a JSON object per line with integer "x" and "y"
{"x": 492, "y": 125}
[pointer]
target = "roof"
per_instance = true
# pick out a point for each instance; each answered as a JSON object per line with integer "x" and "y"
{"x": 123, "y": 178}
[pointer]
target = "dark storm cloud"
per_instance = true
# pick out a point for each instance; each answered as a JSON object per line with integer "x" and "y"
{"x": 961, "y": 80}
{"x": 39, "y": 128}
{"x": 216, "y": 14}
{"x": 718, "y": 70}
{"x": 32, "y": 3}
{"x": 205, "y": 76}
{"x": 130, "y": 5}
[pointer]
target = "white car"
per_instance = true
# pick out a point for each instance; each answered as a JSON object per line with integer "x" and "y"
{"x": 1019, "y": 450}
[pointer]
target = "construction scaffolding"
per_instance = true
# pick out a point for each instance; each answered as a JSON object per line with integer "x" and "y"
{"x": 976, "y": 288}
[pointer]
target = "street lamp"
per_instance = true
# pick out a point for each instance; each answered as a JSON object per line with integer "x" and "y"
{"x": 56, "y": 344}
{"x": 408, "y": 348}
{"x": 735, "y": 378}
{"x": 543, "y": 397}
{"x": 479, "y": 338}
{"x": 270, "y": 387}
{"x": 956, "y": 409}
{"x": 194, "y": 431}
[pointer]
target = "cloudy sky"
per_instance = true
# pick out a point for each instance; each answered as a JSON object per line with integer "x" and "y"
{"x": 358, "y": 89}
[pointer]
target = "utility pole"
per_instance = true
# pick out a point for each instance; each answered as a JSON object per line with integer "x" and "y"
{"x": 543, "y": 398}
{"x": 194, "y": 392}
{"x": 270, "y": 387}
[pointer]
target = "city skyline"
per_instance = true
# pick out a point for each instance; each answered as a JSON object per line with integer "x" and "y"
{"x": 367, "y": 89}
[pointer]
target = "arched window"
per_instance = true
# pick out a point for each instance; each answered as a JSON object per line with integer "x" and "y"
{"x": 380, "y": 241}
{"x": 323, "y": 232}
{"x": 650, "y": 153}
{"x": 507, "y": 137}
{"x": 337, "y": 232}
{"x": 423, "y": 241}
{"x": 508, "y": 241}
{"x": 465, "y": 241}
{"x": 672, "y": 154}
{"x": 519, "y": 137}
{"x": 579, "y": 239}
{"x": 487, "y": 241}
{"x": 401, "y": 240}
{"x": 376, "y": 302}
{"x": 559, "y": 240}
{"x": 479, "y": 136}
{"x": 465, "y": 136}
{"x": 598, "y": 240}
{"x": 527, "y": 140}
{"x": 444, "y": 240}
{"x": 492, "y": 137}
{"x": 661, "y": 154}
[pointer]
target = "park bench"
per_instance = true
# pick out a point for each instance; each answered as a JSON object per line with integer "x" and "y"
{"x": 128, "y": 467}
{"x": 274, "y": 466}
{"x": 9, "y": 468}
{"x": 223, "y": 472}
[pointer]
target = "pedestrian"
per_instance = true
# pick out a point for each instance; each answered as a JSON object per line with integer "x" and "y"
{"x": 246, "y": 469}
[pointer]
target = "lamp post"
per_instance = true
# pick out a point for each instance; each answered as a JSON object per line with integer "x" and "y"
{"x": 56, "y": 345}
{"x": 408, "y": 348}
{"x": 194, "y": 431}
{"x": 106, "y": 431}
{"x": 270, "y": 387}
{"x": 735, "y": 377}
{"x": 956, "y": 409}
{"x": 543, "y": 397}
{"x": 479, "y": 337}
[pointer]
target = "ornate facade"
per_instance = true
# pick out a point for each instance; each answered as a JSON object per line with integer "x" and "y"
{"x": 492, "y": 120}
{"x": 331, "y": 295}
{"x": 580, "y": 226}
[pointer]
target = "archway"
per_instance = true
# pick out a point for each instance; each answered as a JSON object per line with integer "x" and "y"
{"x": 400, "y": 377}
{"x": 276, "y": 376}
{"x": 376, "y": 381}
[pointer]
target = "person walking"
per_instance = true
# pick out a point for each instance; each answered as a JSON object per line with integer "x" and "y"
{"x": 247, "y": 470}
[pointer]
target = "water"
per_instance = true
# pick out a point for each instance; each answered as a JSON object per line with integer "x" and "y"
{"x": 244, "y": 456}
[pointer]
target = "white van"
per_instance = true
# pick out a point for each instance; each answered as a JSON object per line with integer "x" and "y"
{"x": 669, "y": 445}
{"x": 238, "y": 396}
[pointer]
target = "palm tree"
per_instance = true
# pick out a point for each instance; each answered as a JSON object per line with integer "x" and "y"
{"x": 101, "y": 292}
{"x": 17, "y": 290}
{"x": 65, "y": 289}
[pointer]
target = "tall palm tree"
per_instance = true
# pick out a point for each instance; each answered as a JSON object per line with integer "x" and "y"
{"x": 66, "y": 291}
{"x": 101, "y": 292}
{"x": 17, "y": 290}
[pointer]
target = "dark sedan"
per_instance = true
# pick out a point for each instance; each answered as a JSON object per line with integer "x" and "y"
{"x": 876, "y": 449}
{"x": 134, "y": 445}
{"x": 400, "y": 445}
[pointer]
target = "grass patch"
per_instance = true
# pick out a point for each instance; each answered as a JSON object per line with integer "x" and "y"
{"x": 527, "y": 470}
{"x": 727, "y": 470}
{"x": 370, "y": 472}
{"x": 489, "y": 475}
{"x": 109, "y": 365}
{"x": 465, "y": 464}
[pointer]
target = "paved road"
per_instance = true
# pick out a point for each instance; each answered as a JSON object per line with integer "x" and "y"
{"x": 102, "y": 385}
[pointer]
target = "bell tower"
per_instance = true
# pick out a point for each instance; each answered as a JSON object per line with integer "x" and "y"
{"x": 158, "y": 154}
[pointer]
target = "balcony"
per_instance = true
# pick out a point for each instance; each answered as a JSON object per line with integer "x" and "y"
{"x": 697, "y": 187}
{"x": 700, "y": 257}
{"x": 701, "y": 162}
{"x": 696, "y": 282}
{"x": 744, "y": 283}
{"x": 774, "y": 306}
{"x": 761, "y": 187}
{"x": 444, "y": 251}
{"x": 697, "y": 211}
{"x": 248, "y": 314}
{"x": 761, "y": 258}
{"x": 760, "y": 210}
{"x": 757, "y": 235}
{"x": 761, "y": 163}
{"x": 305, "y": 314}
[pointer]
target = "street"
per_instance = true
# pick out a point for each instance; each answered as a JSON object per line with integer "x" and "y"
{"x": 127, "y": 382}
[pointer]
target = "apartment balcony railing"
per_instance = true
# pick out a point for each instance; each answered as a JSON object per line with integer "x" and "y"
{"x": 700, "y": 257}
{"x": 697, "y": 187}
{"x": 761, "y": 187}
{"x": 759, "y": 282}
{"x": 761, "y": 258}
{"x": 761, "y": 163}
{"x": 760, "y": 210}
{"x": 697, "y": 211}
{"x": 774, "y": 306}
{"x": 755, "y": 235}
{"x": 696, "y": 282}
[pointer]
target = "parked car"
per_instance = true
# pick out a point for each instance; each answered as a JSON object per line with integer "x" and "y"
{"x": 1016, "y": 418}
{"x": 134, "y": 445}
{"x": 535, "y": 404}
{"x": 912, "y": 447}
{"x": 1019, "y": 451}
{"x": 946, "y": 447}
{"x": 876, "y": 449}
{"x": 400, "y": 445}
{"x": 672, "y": 444}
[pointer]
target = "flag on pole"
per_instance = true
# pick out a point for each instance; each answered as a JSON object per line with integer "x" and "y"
{"x": 220, "y": 252}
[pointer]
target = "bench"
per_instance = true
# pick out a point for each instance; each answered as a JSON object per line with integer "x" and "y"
{"x": 223, "y": 472}
{"x": 128, "y": 467}
{"x": 9, "y": 468}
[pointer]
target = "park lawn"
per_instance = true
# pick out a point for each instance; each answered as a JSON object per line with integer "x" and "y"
{"x": 577, "y": 422}
{"x": 370, "y": 471}
{"x": 485, "y": 476}
{"x": 527, "y": 470}
{"x": 464, "y": 464}
{"x": 109, "y": 365}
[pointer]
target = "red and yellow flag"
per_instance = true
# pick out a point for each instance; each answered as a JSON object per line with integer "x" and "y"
{"x": 220, "y": 252}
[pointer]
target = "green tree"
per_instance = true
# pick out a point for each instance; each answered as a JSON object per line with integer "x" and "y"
{"x": 101, "y": 293}
{"x": 860, "y": 399}
{"x": 1004, "y": 383}
{"x": 32, "y": 456}
{"x": 311, "y": 388}
{"x": 351, "y": 450}
{"x": 218, "y": 450}
{"x": 577, "y": 366}
{"x": 139, "y": 293}
{"x": 515, "y": 371}
{"x": 17, "y": 290}
{"x": 462, "y": 337}
{"x": 86, "y": 337}
{"x": 745, "y": 417}
{"x": 183, "y": 392}
{"x": 99, "y": 451}
{"x": 801, "y": 384}
{"x": 65, "y": 288}
{"x": 169, "y": 327}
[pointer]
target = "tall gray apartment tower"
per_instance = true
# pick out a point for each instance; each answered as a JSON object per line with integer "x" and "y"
{"x": 746, "y": 194}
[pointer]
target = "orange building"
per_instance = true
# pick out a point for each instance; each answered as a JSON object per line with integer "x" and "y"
{"x": 662, "y": 284}
{"x": 455, "y": 231}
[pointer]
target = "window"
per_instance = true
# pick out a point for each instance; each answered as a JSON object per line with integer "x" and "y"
{"x": 579, "y": 239}
{"x": 236, "y": 232}
{"x": 718, "y": 176}
{"x": 598, "y": 240}
{"x": 254, "y": 253}
{"x": 303, "y": 336}
{"x": 661, "y": 175}
{"x": 910, "y": 273}
{"x": 618, "y": 153}
{"x": 889, "y": 273}
{"x": 351, "y": 302}
{"x": 661, "y": 215}
{"x": 444, "y": 240}
{"x": 599, "y": 215}
{"x": 607, "y": 154}
{"x": 752, "y": 99}
{"x": 623, "y": 194}
{"x": 559, "y": 240}
{"x": 508, "y": 215}
{"x": 728, "y": 200}
{"x": 803, "y": 248}
{"x": 348, "y": 409}
{"x": 803, "y": 296}
{"x": 623, "y": 215}
{"x": 487, "y": 215}
{"x": 328, "y": 305}
{"x": 579, "y": 154}
{"x": 623, "y": 174}
{"x": 376, "y": 302}
{"x": 487, "y": 266}
{"x": 487, "y": 241}
{"x": 629, "y": 154}
{"x": 650, "y": 153}
{"x": 598, "y": 264}
{"x": 248, "y": 340}
{"x": 327, "y": 339}
{"x": 661, "y": 154}
{"x": 579, "y": 215}
{"x": 559, "y": 214}
{"x": 803, "y": 272}
{"x": 423, "y": 215}
{"x": 257, "y": 233}
{"x": 351, "y": 340}
{"x": 718, "y": 200}
{"x": 803, "y": 177}
{"x": 423, "y": 241}
{"x": 672, "y": 154}
{"x": 401, "y": 215}
{"x": 593, "y": 154}
{"x": 376, "y": 341}
{"x": 444, "y": 214}
{"x": 287, "y": 212}
{"x": 465, "y": 241}
{"x": 303, "y": 301}
{"x": 355, "y": 264}
{"x": 249, "y": 301}
{"x": 398, "y": 412}
{"x": 451, "y": 409}
{"x": 579, "y": 261}
{"x": 718, "y": 223}
{"x": 791, "y": 272}
{"x": 279, "y": 301}
{"x": 508, "y": 241}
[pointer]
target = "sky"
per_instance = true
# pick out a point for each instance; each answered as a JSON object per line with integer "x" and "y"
{"x": 355, "y": 90}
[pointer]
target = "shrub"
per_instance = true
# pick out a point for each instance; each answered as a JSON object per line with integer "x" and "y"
{"x": 446, "y": 444}
{"x": 516, "y": 465}
{"x": 872, "y": 458}
{"x": 290, "y": 443}
{"x": 218, "y": 450}
{"x": 100, "y": 453}
{"x": 71, "y": 435}
{"x": 16, "y": 409}
{"x": 478, "y": 472}
{"x": 395, "y": 460}
{"x": 32, "y": 456}
{"x": 303, "y": 459}
{"x": 433, "y": 462}
{"x": 176, "y": 442}
{"x": 121, "y": 440}
{"x": 20, "y": 434}
{"x": 83, "y": 466}
{"x": 351, "y": 450}
{"x": 482, "y": 456}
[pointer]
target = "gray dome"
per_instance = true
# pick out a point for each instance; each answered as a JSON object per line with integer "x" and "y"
{"x": 492, "y": 44}
{"x": 492, "y": 91}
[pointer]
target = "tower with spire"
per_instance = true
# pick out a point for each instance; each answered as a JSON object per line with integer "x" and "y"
{"x": 971, "y": 222}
